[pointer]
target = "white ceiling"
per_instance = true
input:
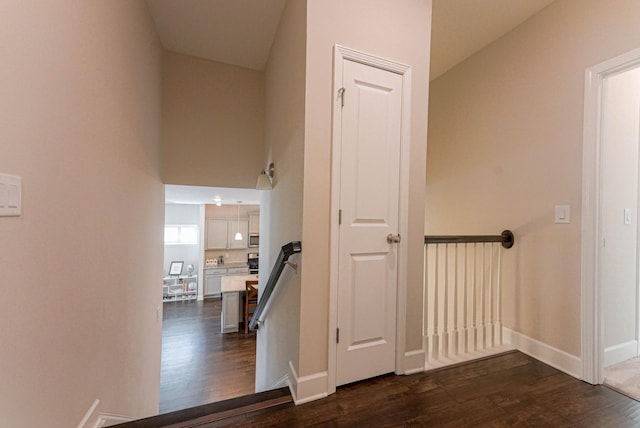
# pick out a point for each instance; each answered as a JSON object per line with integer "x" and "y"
{"x": 207, "y": 195}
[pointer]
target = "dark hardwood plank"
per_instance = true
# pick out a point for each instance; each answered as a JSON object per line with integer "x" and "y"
{"x": 511, "y": 390}
{"x": 200, "y": 364}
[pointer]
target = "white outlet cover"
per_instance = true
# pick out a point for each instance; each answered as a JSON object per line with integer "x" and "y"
{"x": 10, "y": 195}
{"x": 562, "y": 214}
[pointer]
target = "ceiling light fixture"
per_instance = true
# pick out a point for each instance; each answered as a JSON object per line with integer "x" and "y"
{"x": 238, "y": 236}
{"x": 265, "y": 179}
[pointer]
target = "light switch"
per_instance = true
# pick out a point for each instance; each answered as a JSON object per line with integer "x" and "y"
{"x": 627, "y": 216}
{"x": 10, "y": 195}
{"x": 562, "y": 214}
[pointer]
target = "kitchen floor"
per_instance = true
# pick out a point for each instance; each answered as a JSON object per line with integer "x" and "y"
{"x": 200, "y": 364}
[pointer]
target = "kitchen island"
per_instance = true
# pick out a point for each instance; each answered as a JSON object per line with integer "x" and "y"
{"x": 232, "y": 288}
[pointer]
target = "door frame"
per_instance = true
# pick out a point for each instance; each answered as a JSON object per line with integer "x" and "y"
{"x": 592, "y": 314}
{"x": 342, "y": 53}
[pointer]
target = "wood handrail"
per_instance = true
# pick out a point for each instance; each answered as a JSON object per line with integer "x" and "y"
{"x": 506, "y": 238}
{"x": 286, "y": 251}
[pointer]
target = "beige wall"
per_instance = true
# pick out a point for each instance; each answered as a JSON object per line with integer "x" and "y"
{"x": 281, "y": 208}
{"x": 400, "y": 31}
{"x": 505, "y": 146}
{"x": 80, "y": 85}
{"x": 212, "y": 123}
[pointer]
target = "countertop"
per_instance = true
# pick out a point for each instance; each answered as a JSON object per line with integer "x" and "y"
{"x": 236, "y": 282}
{"x": 227, "y": 265}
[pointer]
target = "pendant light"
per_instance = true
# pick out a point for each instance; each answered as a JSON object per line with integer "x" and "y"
{"x": 238, "y": 236}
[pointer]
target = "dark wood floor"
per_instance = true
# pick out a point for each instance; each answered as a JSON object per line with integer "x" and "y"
{"x": 511, "y": 390}
{"x": 199, "y": 364}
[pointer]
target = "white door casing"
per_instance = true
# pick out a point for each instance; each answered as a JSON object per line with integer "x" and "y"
{"x": 370, "y": 142}
{"x": 592, "y": 313}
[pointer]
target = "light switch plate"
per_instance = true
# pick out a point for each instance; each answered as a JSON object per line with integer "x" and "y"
{"x": 10, "y": 195}
{"x": 562, "y": 214}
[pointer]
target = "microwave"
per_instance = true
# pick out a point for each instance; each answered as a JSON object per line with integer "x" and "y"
{"x": 254, "y": 240}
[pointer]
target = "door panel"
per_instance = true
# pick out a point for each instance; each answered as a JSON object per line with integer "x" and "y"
{"x": 369, "y": 200}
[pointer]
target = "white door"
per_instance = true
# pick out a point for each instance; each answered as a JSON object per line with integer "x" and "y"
{"x": 369, "y": 204}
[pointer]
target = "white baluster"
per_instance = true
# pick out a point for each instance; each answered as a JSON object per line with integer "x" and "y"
{"x": 436, "y": 343}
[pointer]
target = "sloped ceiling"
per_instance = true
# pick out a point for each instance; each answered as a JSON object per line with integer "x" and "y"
{"x": 238, "y": 32}
{"x": 241, "y": 32}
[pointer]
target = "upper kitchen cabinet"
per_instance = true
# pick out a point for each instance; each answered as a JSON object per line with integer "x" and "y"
{"x": 223, "y": 222}
{"x": 217, "y": 234}
{"x": 254, "y": 222}
{"x": 221, "y": 234}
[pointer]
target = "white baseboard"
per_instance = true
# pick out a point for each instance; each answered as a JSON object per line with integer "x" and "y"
{"x": 554, "y": 357}
{"x": 413, "y": 362}
{"x": 96, "y": 419}
{"x": 108, "y": 419}
{"x": 621, "y": 352}
{"x": 91, "y": 417}
{"x": 307, "y": 388}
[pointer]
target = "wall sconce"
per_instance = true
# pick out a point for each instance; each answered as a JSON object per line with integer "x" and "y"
{"x": 265, "y": 177}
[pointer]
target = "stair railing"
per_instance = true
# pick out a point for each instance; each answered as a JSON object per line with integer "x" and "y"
{"x": 462, "y": 297}
{"x": 286, "y": 251}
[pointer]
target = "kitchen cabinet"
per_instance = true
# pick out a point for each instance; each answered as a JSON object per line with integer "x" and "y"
{"x": 220, "y": 234}
{"x": 213, "y": 281}
{"x": 217, "y": 234}
{"x": 254, "y": 222}
{"x": 233, "y": 288}
{"x": 213, "y": 278}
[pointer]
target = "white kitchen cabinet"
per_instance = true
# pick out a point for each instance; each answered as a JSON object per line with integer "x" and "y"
{"x": 230, "y": 312}
{"x": 217, "y": 234}
{"x": 254, "y": 222}
{"x": 221, "y": 234}
{"x": 234, "y": 227}
{"x": 213, "y": 281}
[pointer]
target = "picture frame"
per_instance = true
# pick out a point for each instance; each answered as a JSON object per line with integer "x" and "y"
{"x": 176, "y": 268}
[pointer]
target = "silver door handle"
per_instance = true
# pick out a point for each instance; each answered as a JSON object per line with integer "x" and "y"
{"x": 393, "y": 239}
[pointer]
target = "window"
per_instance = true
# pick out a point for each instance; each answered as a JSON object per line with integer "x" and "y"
{"x": 181, "y": 234}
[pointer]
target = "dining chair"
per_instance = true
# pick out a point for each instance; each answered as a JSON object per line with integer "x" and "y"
{"x": 250, "y": 302}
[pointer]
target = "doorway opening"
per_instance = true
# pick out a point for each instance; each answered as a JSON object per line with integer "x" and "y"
{"x": 610, "y": 302}
{"x": 202, "y": 360}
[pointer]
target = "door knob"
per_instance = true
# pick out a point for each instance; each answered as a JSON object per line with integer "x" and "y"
{"x": 393, "y": 239}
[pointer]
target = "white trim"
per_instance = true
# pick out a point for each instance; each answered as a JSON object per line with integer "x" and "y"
{"x": 108, "y": 419}
{"x": 413, "y": 362}
{"x": 306, "y": 388}
{"x": 91, "y": 416}
{"x": 342, "y": 53}
{"x": 621, "y": 352}
{"x": 554, "y": 357}
{"x": 95, "y": 419}
{"x": 592, "y": 343}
